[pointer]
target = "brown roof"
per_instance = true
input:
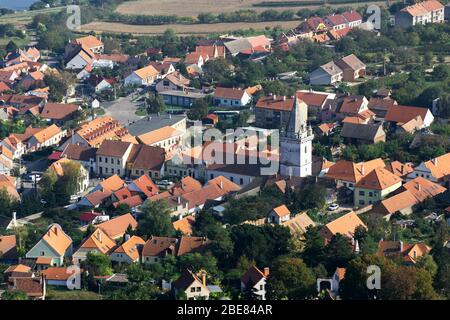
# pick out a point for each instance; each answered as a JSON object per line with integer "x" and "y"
{"x": 185, "y": 280}
{"x": 146, "y": 157}
{"x": 100, "y": 241}
{"x": 192, "y": 244}
{"x": 352, "y": 104}
{"x": 381, "y": 104}
{"x": 313, "y": 98}
{"x": 253, "y": 275}
{"x": 224, "y": 184}
{"x": 77, "y": 152}
{"x": 280, "y": 103}
{"x": 113, "y": 148}
{"x": 378, "y": 179}
{"x": 132, "y": 201}
{"x": 116, "y": 227}
{"x": 4, "y": 87}
{"x": 97, "y": 197}
{"x": 403, "y": 114}
{"x": 33, "y": 287}
{"x": 409, "y": 252}
{"x": 352, "y": 15}
{"x": 399, "y": 169}
{"x": 57, "y": 273}
{"x": 57, "y": 239}
{"x": 229, "y": 93}
{"x": 103, "y": 128}
{"x": 350, "y": 61}
{"x": 157, "y": 246}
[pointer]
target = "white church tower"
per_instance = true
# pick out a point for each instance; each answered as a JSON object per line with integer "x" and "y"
{"x": 296, "y": 143}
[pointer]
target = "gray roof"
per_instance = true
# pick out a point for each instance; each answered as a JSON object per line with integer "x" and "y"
{"x": 180, "y": 93}
{"x": 154, "y": 122}
{"x": 238, "y": 45}
{"x": 362, "y": 131}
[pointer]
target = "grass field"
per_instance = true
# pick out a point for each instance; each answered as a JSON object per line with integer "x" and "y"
{"x": 22, "y": 18}
{"x": 194, "y": 7}
{"x": 181, "y": 29}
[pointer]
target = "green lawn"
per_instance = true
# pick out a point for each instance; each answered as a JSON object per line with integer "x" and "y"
{"x": 22, "y": 18}
{"x": 60, "y": 294}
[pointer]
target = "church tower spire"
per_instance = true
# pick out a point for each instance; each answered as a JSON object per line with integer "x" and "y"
{"x": 296, "y": 143}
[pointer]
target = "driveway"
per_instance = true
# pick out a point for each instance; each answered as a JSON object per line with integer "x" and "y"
{"x": 123, "y": 110}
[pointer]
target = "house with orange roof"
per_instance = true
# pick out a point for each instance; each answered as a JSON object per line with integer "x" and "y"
{"x": 33, "y": 287}
{"x": 93, "y": 133}
{"x": 142, "y": 77}
{"x": 173, "y": 81}
{"x": 409, "y": 253}
{"x": 231, "y": 97}
{"x": 54, "y": 246}
{"x": 6, "y": 160}
{"x": 347, "y": 173}
{"x": 166, "y": 137}
{"x": 117, "y": 227}
{"x": 375, "y": 186}
{"x": 129, "y": 251}
{"x": 91, "y": 42}
{"x": 46, "y": 137}
{"x": 97, "y": 242}
{"x": 184, "y": 225}
{"x": 401, "y": 170}
{"x": 344, "y": 225}
{"x": 8, "y": 249}
{"x": 430, "y": 11}
{"x": 157, "y": 248}
{"x": 273, "y": 111}
{"x": 280, "y": 214}
{"x": 144, "y": 185}
{"x": 399, "y": 116}
{"x": 59, "y": 276}
{"x": 413, "y": 192}
{"x": 257, "y": 279}
{"x": 58, "y": 113}
{"x": 10, "y": 185}
{"x": 436, "y": 170}
{"x": 213, "y": 51}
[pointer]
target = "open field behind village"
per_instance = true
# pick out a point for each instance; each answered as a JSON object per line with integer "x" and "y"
{"x": 22, "y": 18}
{"x": 194, "y": 7}
{"x": 183, "y": 29}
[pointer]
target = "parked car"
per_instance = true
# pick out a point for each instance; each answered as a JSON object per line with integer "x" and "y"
{"x": 333, "y": 207}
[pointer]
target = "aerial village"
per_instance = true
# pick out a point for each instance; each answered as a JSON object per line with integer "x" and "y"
{"x": 104, "y": 194}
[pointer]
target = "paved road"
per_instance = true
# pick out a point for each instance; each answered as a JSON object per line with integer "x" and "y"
{"x": 122, "y": 110}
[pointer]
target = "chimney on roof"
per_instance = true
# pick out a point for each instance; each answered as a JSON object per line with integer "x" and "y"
{"x": 204, "y": 278}
{"x": 266, "y": 272}
{"x": 362, "y": 169}
{"x": 418, "y": 186}
{"x": 14, "y": 219}
{"x": 127, "y": 237}
{"x": 401, "y": 245}
{"x": 221, "y": 184}
{"x": 274, "y": 97}
{"x": 179, "y": 199}
{"x": 435, "y": 161}
{"x": 99, "y": 235}
{"x": 56, "y": 230}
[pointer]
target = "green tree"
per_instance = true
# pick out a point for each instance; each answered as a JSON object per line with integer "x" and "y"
{"x": 14, "y": 295}
{"x": 155, "y": 219}
{"x": 7, "y": 203}
{"x": 290, "y": 278}
{"x": 98, "y": 264}
{"x": 198, "y": 110}
{"x": 155, "y": 104}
